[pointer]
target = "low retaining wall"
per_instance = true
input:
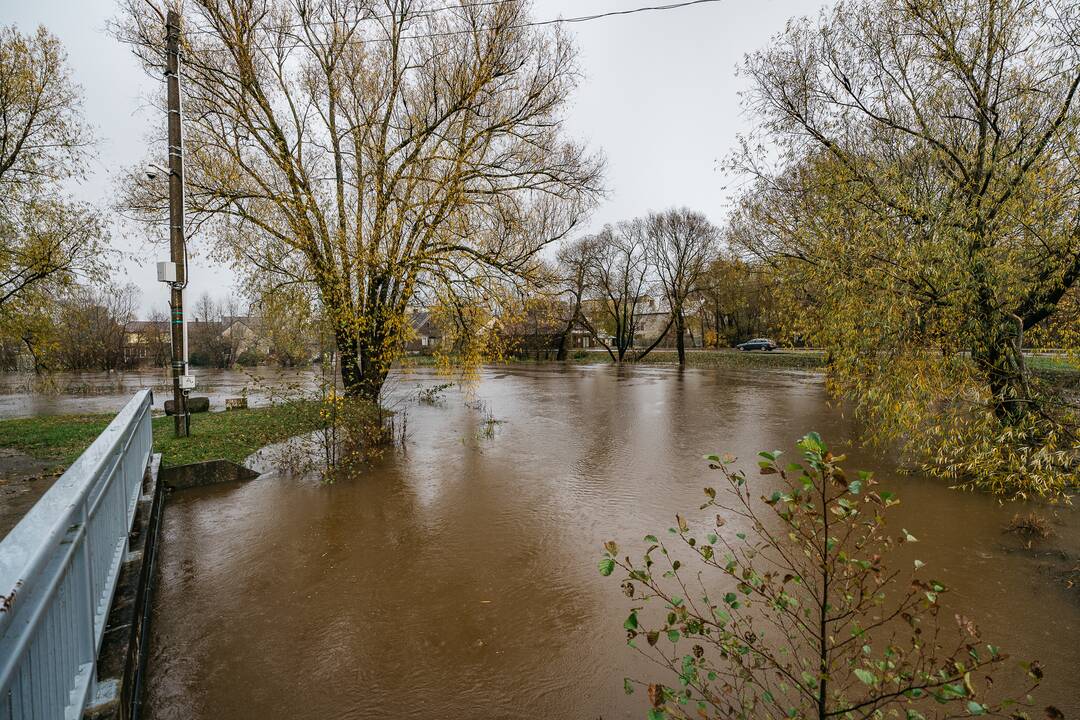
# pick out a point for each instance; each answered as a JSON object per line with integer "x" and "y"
{"x": 209, "y": 472}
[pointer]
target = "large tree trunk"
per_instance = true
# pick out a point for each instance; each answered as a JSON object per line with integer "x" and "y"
{"x": 564, "y": 343}
{"x": 364, "y": 365}
{"x": 655, "y": 342}
{"x": 680, "y": 336}
{"x": 568, "y": 333}
{"x": 1003, "y": 367}
{"x": 994, "y": 352}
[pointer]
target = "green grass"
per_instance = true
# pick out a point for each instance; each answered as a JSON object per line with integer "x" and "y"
{"x": 789, "y": 359}
{"x": 230, "y": 435}
{"x": 1051, "y": 364}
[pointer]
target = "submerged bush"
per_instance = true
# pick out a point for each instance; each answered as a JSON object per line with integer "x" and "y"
{"x": 795, "y": 613}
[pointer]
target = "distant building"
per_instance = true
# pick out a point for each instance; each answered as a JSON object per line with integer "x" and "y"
{"x": 651, "y": 318}
{"x": 146, "y": 342}
{"x": 425, "y": 334}
{"x": 244, "y": 336}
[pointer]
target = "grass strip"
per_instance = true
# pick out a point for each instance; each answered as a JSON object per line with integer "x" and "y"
{"x": 231, "y": 435}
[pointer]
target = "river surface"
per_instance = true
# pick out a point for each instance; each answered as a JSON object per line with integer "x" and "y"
{"x": 457, "y": 578}
{"x": 69, "y": 393}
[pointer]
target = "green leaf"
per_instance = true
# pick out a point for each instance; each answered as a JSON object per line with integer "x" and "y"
{"x": 655, "y": 714}
{"x": 631, "y": 622}
{"x": 673, "y": 635}
{"x": 627, "y": 686}
{"x": 607, "y": 566}
{"x": 976, "y": 708}
{"x": 855, "y": 487}
{"x": 651, "y": 539}
{"x": 865, "y": 676}
{"x": 813, "y": 442}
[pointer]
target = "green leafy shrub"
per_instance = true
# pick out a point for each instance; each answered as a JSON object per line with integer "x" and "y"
{"x": 806, "y": 620}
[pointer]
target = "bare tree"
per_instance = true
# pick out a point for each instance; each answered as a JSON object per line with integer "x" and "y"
{"x": 681, "y": 244}
{"x": 620, "y": 273}
{"x": 90, "y": 326}
{"x": 574, "y": 260}
{"x": 157, "y": 340}
{"x": 374, "y": 150}
{"x": 209, "y": 344}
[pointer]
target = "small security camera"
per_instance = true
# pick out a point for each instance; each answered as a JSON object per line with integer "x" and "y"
{"x": 152, "y": 171}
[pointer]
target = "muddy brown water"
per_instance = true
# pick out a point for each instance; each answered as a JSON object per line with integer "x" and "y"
{"x": 70, "y": 393}
{"x": 458, "y": 578}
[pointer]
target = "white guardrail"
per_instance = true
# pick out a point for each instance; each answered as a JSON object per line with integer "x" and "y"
{"x": 58, "y": 571}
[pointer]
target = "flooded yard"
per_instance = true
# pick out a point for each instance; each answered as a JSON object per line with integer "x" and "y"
{"x": 458, "y": 578}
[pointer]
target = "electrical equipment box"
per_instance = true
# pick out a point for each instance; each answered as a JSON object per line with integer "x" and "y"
{"x": 166, "y": 271}
{"x": 187, "y": 382}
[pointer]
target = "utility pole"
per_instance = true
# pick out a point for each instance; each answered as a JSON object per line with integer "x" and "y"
{"x": 177, "y": 250}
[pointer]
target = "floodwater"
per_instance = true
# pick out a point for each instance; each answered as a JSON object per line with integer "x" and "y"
{"x": 458, "y": 578}
{"x": 69, "y": 393}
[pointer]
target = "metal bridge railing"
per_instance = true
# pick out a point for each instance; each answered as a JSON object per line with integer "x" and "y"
{"x": 58, "y": 571}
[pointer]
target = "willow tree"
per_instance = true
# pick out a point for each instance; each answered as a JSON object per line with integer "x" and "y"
{"x": 373, "y": 151}
{"x": 925, "y": 206}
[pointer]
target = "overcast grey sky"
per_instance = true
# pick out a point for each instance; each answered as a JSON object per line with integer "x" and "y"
{"x": 660, "y": 97}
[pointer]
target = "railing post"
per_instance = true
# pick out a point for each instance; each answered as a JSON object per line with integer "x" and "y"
{"x": 91, "y": 632}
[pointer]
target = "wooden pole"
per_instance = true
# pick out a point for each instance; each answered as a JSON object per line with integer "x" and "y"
{"x": 177, "y": 250}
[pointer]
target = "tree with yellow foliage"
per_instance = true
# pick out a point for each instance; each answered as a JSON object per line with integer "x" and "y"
{"x": 924, "y": 210}
{"x": 47, "y": 239}
{"x": 382, "y": 153}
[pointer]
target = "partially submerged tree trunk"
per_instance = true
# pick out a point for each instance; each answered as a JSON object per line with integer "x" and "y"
{"x": 680, "y": 334}
{"x": 682, "y": 243}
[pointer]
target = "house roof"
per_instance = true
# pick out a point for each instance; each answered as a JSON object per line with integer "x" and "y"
{"x": 422, "y": 323}
{"x": 141, "y": 326}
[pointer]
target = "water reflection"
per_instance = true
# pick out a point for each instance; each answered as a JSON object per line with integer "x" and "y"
{"x": 458, "y": 578}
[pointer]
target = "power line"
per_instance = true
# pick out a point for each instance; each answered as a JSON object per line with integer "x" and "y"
{"x": 531, "y": 23}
